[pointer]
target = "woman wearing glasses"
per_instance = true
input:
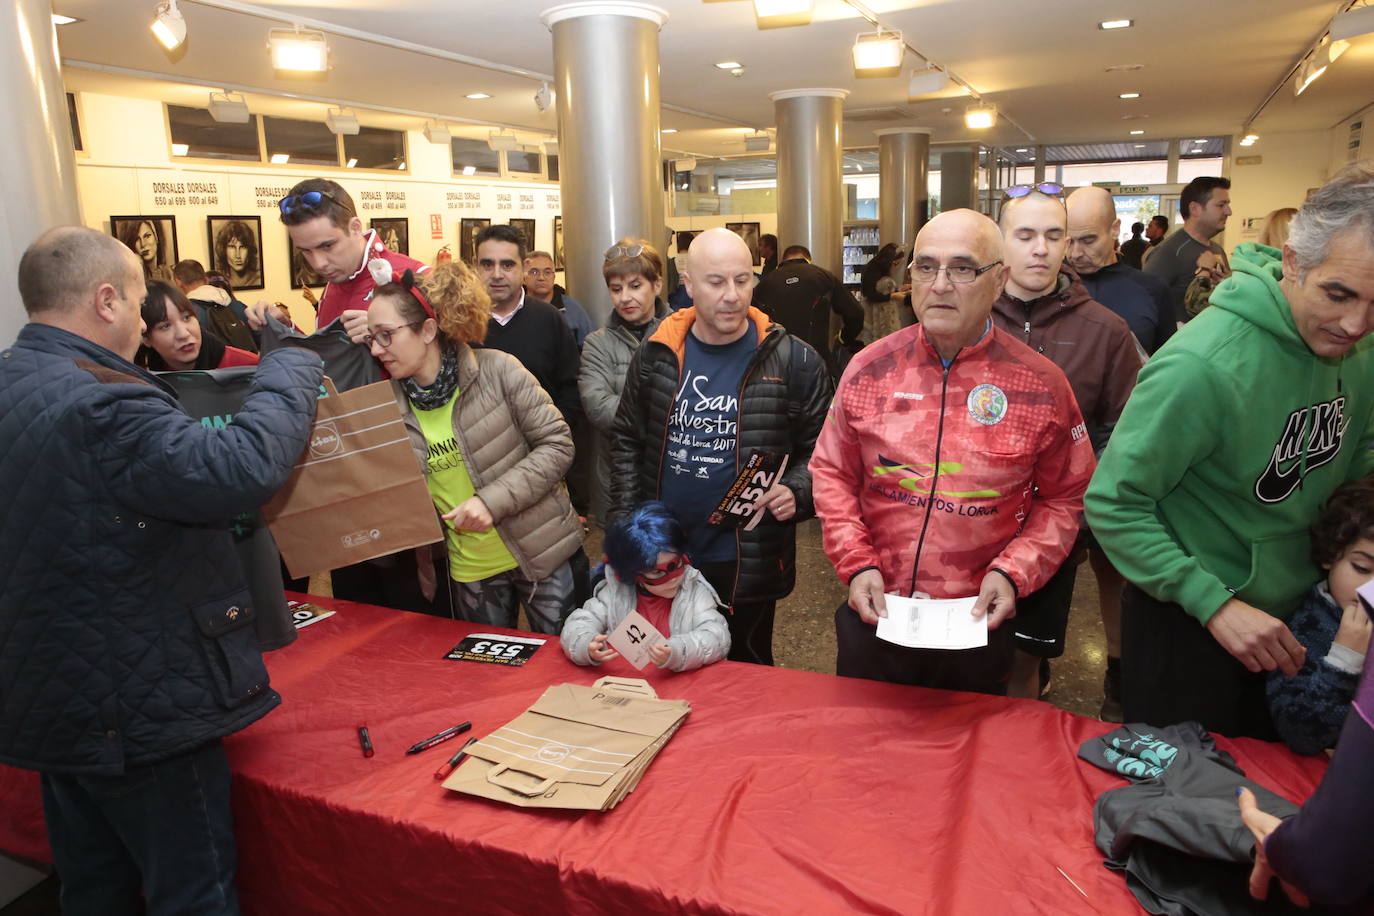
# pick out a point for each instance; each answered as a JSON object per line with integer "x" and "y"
{"x": 494, "y": 447}
{"x": 649, "y": 572}
{"x": 633, "y": 271}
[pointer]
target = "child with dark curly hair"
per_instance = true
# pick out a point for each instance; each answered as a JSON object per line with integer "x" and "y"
{"x": 1309, "y": 708}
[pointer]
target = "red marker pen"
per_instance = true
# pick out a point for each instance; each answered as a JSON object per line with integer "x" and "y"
{"x": 365, "y": 740}
{"x": 453, "y": 761}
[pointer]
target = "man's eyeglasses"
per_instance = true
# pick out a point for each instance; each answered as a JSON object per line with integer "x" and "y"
{"x": 540, "y": 272}
{"x": 666, "y": 571}
{"x": 923, "y": 272}
{"x": 1048, "y": 188}
{"x": 308, "y": 201}
{"x": 624, "y": 251}
{"x": 383, "y": 335}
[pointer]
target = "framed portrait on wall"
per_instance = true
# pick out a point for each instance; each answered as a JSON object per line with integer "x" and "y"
{"x": 526, "y": 226}
{"x": 153, "y": 239}
{"x": 394, "y": 231}
{"x": 301, "y": 273}
{"x": 467, "y": 236}
{"x": 236, "y": 249}
{"x": 750, "y": 233}
{"x": 558, "y": 243}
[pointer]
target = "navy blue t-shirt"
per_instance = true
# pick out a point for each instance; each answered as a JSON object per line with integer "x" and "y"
{"x": 701, "y": 461}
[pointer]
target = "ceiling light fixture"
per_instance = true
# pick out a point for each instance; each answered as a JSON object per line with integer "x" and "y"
{"x": 437, "y": 133}
{"x": 342, "y": 121}
{"x": 1109, "y": 24}
{"x": 1023, "y": 150}
{"x": 757, "y": 143}
{"x": 500, "y": 140}
{"x": 229, "y": 108}
{"x": 928, "y": 82}
{"x": 299, "y": 51}
{"x": 980, "y": 117}
{"x": 281, "y": 158}
{"x": 180, "y": 149}
{"x": 772, "y": 14}
{"x": 729, "y": 65}
{"x": 1140, "y": 146}
{"x": 878, "y": 53}
{"x": 1136, "y": 133}
{"x": 1124, "y": 68}
{"x": 59, "y": 19}
{"x": 477, "y": 95}
{"x": 668, "y": 130}
{"x": 168, "y": 26}
{"x": 1353, "y": 23}
{"x": 1129, "y": 95}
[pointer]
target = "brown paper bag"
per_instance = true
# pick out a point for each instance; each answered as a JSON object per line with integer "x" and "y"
{"x": 358, "y": 490}
{"x": 576, "y": 747}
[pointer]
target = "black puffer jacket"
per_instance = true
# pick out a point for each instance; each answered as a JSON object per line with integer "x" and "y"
{"x": 783, "y": 400}
{"x": 126, "y": 630}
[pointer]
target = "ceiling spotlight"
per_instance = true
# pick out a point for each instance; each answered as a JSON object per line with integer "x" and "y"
{"x": 182, "y": 149}
{"x": 281, "y": 158}
{"x": 668, "y": 130}
{"x": 303, "y": 52}
{"x": 928, "y": 82}
{"x": 1247, "y": 142}
{"x": 757, "y": 143}
{"x": 341, "y": 121}
{"x": 1140, "y": 146}
{"x": 229, "y": 108}
{"x": 980, "y": 117}
{"x": 477, "y": 95}
{"x": 772, "y": 14}
{"x": 1353, "y": 23}
{"x": 1251, "y": 137}
{"x": 1023, "y": 150}
{"x": 729, "y": 65}
{"x": 168, "y": 26}
{"x": 437, "y": 133}
{"x": 500, "y": 140}
{"x": 1136, "y": 133}
{"x": 1129, "y": 95}
{"x": 878, "y": 53}
{"x": 1116, "y": 24}
{"x": 59, "y": 19}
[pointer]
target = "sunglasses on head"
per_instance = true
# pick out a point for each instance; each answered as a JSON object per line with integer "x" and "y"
{"x": 307, "y": 201}
{"x": 1048, "y": 188}
{"x": 624, "y": 251}
{"x": 666, "y": 571}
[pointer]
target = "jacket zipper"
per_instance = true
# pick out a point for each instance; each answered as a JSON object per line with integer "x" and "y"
{"x": 934, "y": 479}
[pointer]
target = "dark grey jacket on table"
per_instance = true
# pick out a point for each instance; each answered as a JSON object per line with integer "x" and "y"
{"x": 782, "y": 404}
{"x": 126, "y": 629}
{"x": 606, "y": 355}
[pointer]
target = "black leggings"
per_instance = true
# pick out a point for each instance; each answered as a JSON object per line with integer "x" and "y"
{"x": 750, "y": 622}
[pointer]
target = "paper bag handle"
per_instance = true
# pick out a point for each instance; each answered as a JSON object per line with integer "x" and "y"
{"x": 327, "y": 384}
{"x": 494, "y": 777}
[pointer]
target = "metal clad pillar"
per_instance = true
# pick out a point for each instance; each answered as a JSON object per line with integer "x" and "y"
{"x": 810, "y": 157}
{"x": 605, "y": 60}
{"x": 903, "y": 198}
{"x": 37, "y": 167}
{"x": 958, "y": 179}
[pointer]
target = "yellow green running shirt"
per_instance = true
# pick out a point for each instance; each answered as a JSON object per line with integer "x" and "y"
{"x": 471, "y": 556}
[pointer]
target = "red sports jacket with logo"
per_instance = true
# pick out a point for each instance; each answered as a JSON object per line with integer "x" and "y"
{"x": 936, "y": 475}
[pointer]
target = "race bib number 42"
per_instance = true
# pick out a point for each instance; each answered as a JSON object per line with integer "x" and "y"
{"x": 492, "y": 649}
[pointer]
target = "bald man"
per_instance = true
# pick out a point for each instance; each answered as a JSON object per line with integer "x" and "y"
{"x": 952, "y": 465}
{"x": 714, "y": 384}
{"x": 127, "y": 645}
{"x": 1140, "y": 298}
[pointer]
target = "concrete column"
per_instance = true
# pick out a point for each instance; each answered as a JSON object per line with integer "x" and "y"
{"x": 810, "y": 202}
{"x": 1039, "y": 165}
{"x": 958, "y": 179}
{"x": 605, "y": 64}
{"x": 903, "y": 162}
{"x": 1171, "y": 170}
{"x": 37, "y": 167}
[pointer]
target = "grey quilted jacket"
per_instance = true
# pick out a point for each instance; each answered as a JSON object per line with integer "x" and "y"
{"x": 126, "y": 630}
{"x": 517, "y": 447}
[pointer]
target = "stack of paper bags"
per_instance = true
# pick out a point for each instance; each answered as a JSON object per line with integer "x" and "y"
{"x": 577, "y": 747}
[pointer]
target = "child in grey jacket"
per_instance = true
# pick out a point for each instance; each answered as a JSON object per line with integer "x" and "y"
{"x": 647, "y": 571}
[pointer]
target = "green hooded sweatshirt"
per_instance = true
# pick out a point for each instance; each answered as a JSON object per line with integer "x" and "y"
{"x": 1232, "y": 441}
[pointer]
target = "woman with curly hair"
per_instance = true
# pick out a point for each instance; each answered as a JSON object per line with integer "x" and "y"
{"x": 494, "y": 447}
{"x": 236, "y": 254}
{"x": 143, "y": 239}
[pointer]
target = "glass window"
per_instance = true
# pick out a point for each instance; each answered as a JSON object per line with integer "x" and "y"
{"x": 474, "y": 157}
{"x": 76, "y": 124}
{"x": 522, "y": 162}
{"x": 1188, "y": 169}
{"x": 302, "y": 142}
{"x": 205, "y": 138}
{"x": 375, "y": 148}
{"x": 553, "y": 168}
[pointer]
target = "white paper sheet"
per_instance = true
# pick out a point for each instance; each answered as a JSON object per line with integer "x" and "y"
{"x": 634, "y": 638}
{"x": 933, "y": 623}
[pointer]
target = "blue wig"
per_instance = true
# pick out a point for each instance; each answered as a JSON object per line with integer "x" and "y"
{"x": 633, "y": 544}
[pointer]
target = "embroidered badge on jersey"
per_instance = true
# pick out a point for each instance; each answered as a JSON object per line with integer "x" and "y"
{"x": 987, "y": 404}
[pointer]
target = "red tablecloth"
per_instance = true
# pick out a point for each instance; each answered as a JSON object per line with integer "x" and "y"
{"x": 784, "y": 791}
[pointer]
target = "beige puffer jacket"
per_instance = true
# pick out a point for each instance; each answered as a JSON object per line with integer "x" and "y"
{"x": 517, "y": 448}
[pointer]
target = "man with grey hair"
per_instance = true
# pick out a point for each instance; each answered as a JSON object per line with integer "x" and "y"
{"x": 127, "y": 644}
{"x": 1235, "y": 436}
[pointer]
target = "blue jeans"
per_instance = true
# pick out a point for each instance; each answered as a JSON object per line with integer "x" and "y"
{"x": 163, "y": 831}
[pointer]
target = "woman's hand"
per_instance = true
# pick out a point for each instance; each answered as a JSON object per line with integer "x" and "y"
{"x": 470, "y": 515}
{"x": 1262, "y": 824}
{"x": 600, "y": 650}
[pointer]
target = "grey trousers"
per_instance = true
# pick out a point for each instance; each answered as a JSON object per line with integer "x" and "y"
{"x": 496, "y": 600}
